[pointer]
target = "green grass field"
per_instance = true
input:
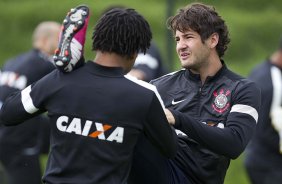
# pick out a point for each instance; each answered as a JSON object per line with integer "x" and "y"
{"x": 255, "y": 27}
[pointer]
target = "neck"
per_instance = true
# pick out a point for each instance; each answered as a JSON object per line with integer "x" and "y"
{"x": 210, "y": 69}
{"x": 114, "y": 60}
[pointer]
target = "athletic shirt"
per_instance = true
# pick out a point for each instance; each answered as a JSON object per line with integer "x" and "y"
{"x": 97, "y": 115}
{"x": 214, "y": 120}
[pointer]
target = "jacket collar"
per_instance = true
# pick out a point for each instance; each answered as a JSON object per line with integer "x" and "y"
{"x": 93, "y": 67}
{"x": 196, "y": 77}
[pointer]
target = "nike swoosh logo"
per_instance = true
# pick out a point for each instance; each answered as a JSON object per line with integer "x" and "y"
{"x": 177, "y": 102}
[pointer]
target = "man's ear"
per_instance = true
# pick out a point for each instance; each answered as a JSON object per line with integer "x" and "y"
{"x": 213, "y": 40}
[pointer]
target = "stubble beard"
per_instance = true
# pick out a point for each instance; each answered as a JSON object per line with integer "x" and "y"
{"x": 193, "y": 64}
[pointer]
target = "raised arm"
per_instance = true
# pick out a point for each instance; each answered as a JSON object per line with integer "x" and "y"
{"x": 27, "y": 103}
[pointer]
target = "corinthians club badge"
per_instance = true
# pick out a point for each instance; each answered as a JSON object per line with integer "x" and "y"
{"x": 221, "y": 101}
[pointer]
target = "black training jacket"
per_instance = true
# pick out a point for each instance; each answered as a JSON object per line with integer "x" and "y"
{"x": 97, "y": 115}
{"x": 214, "y": 121}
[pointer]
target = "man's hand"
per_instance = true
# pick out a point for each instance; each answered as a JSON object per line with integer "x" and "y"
{"x": 170, "y": 117}
{"x": 139, "y": 74}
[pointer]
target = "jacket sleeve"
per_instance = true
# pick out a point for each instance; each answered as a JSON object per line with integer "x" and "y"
{"x": 240, "y": 124}
{"x": 25, "y": 104}
{"x": 14, "y": 110}
{"x": 158, "y": 130}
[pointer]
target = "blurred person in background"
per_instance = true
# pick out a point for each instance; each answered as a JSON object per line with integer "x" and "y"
{"x": 213, "y": 110}
{"x": 263, "y": 159}
{"x": 149, "y": 66}
{"x": 21, "y": 146}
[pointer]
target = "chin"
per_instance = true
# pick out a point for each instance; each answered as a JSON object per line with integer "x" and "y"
{"x": 186, "y": 65}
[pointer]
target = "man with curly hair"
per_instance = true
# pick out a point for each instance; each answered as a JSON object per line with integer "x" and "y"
{"x": 96, "y": 112}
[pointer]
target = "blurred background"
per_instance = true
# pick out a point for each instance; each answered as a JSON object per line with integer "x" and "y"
{"x": 255, "y": 29}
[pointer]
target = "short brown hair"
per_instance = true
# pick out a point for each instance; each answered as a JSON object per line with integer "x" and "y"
{"x": 204, "y": 20}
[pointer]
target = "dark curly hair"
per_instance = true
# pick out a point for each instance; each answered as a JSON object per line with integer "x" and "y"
{"x": 204, "y": 20}
{"x": 122, "y": 31}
